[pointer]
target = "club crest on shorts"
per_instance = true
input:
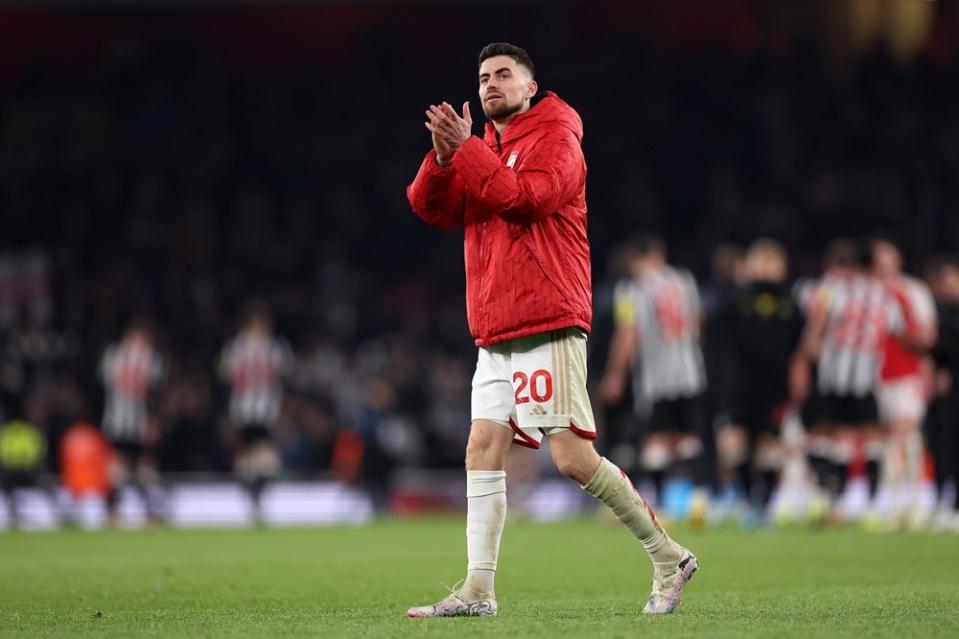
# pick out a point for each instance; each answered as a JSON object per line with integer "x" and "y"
{"x": 512, "y": 159}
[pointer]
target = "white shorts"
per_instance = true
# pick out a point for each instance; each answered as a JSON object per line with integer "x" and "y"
{"x": 535, "y": 385}
{"x": 902, "y": 399}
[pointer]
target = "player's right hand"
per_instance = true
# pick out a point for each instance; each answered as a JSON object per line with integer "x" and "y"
{"x": 444, "y": 152}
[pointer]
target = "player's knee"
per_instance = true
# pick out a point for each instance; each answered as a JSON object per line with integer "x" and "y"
{"x": 480, "y": 455}
{"x": 487, "y": 446}
{"x": 573, "y": 456}
{"x": 473, "y": 455}
{"x": 563, "y": 463}
{"x": 573, "y": 466}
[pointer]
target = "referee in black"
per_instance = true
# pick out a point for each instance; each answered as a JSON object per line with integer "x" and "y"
{"x": 760, "y": 331}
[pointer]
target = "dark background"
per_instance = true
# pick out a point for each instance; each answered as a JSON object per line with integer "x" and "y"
{"x": 173, "y": 162}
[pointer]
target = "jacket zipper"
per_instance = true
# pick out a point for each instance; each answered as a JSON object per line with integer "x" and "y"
{"x": 487, "y": 251}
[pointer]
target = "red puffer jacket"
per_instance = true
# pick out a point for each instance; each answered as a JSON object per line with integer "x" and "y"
{"x": 522, "y": 202}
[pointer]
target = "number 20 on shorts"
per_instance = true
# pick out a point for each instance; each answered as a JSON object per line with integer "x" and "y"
{"x": 540, "y": 385}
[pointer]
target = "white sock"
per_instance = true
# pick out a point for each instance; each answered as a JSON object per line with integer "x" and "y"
{"x": 894, "y": 473}
{"x": 611, "y": 486}
{"x": 485, "y": 516}
{"x": 914, "y": 451}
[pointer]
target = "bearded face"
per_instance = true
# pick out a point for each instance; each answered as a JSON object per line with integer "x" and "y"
{"x": 505, "y": 87}
{"x": 499, "y": 108}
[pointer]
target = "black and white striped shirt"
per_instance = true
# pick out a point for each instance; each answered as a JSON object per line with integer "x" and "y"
{"x": 254, "y": 365}
{"x": 665, "y": 308}
{"x": 858, "y": 314}
{"x": 128, "y": 370}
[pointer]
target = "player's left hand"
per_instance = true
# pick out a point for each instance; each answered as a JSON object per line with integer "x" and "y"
{"x": 446, "y": 123}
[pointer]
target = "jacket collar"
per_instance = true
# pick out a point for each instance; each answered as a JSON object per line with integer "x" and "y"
{"x": 545, "y": 106}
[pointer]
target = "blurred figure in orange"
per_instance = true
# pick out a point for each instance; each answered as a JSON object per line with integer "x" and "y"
{"x": 85, "y": 460}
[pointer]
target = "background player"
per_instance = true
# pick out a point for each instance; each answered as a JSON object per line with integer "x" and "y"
{"x": 658, "y": 320}
{"x": 905, "y": 382}
{"x": 520, "y": 194}
{"x": 254, "y": 362}
{"x": 840, "y": 262}
{"x": 130, "y": 370}
{"x": 849, "y": 318}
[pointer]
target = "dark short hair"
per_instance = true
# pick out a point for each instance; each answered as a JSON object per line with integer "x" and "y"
{"x": 518, "y": 54}
{"x": 866, "y": 252}
{"x": 256, "y": 309}
{"x": 841, "y": 252}
{"x": 644, "y": 243}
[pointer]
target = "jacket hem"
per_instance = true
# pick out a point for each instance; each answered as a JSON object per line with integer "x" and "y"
{"x": 490, "y": 340}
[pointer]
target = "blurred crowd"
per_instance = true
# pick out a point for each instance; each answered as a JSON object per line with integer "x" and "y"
{"x": 796, "y": 390}
{"x": 164, "y": 193}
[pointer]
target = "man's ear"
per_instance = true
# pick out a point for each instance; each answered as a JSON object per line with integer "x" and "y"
{"x": 531, "y": 89}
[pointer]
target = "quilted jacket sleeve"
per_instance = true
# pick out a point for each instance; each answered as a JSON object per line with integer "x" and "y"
{"x": 549, "y": 176}
{"x": 436, "y": 195}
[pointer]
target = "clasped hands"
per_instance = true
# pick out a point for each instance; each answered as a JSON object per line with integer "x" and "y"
{"x": 449, "y": 129}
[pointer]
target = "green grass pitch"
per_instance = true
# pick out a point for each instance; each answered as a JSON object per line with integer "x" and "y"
{"x": 581, "y": 578}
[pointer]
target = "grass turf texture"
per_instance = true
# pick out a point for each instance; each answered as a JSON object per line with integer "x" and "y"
{"x": 574, "y": 579}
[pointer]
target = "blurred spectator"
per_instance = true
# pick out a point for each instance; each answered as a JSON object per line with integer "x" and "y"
{"x": 157, "y": 169}
{"x": 85, "y": 461}
{"x": 22, "y": 450}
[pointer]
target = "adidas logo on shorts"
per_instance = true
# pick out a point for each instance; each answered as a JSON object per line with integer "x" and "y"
{"x": 537, "y": 410}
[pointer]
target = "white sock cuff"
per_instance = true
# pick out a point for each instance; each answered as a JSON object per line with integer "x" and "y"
{"x": 480, "y": 483}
